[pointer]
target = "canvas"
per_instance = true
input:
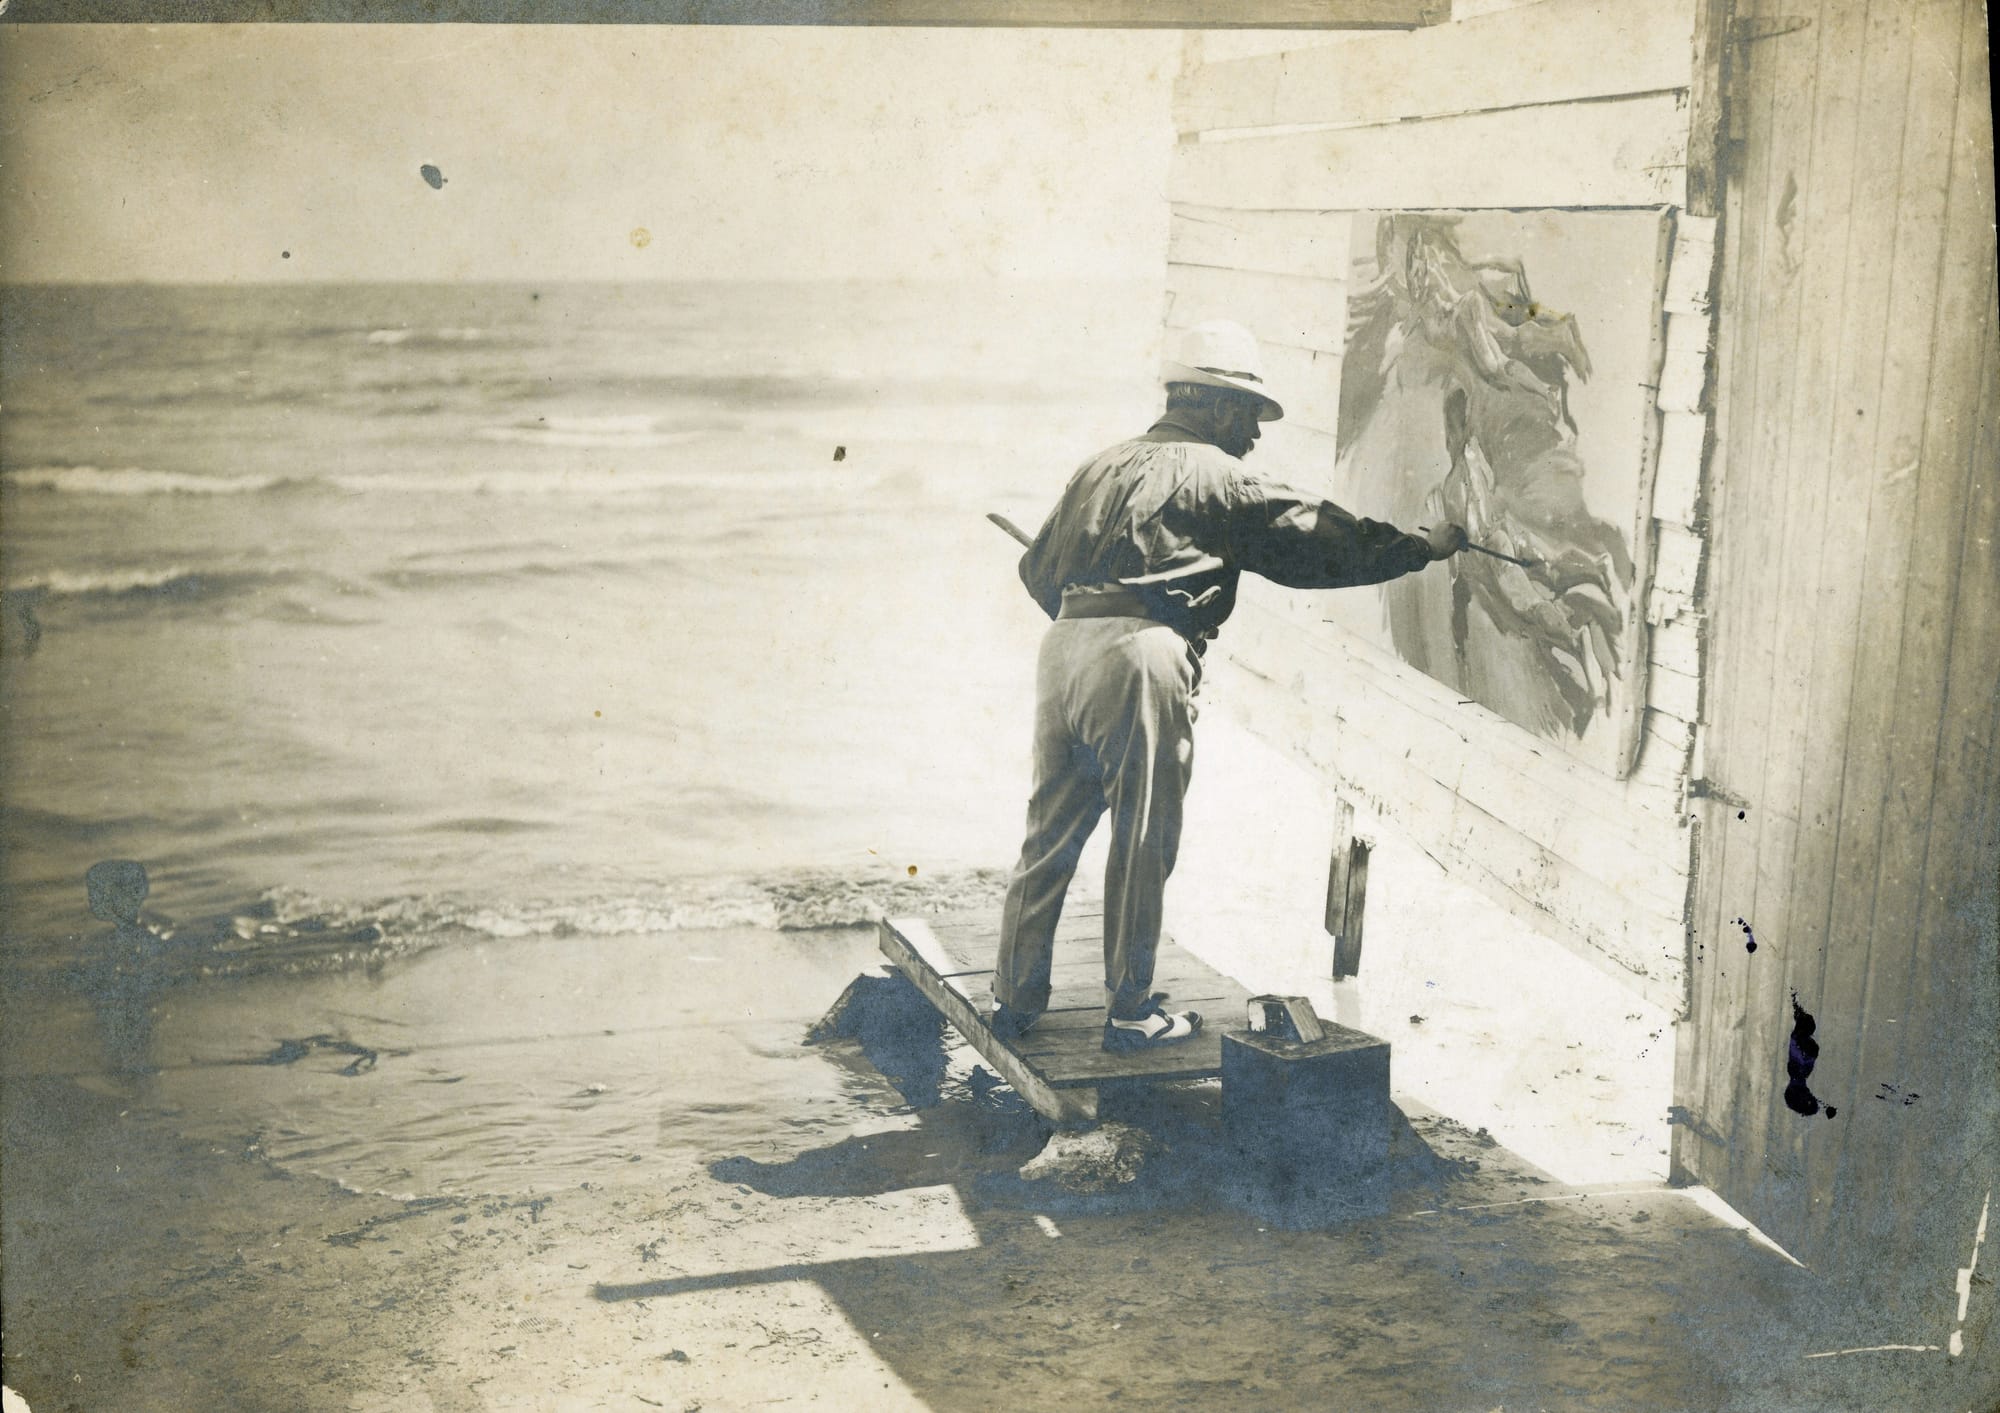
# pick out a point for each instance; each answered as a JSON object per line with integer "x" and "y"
{"x": 1498, "y": 372}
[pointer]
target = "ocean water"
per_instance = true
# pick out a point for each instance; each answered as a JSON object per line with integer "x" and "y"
{"x": 377, "y": 617}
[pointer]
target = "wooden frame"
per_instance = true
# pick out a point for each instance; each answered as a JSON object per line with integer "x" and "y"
{"x": 1071, "y": 14}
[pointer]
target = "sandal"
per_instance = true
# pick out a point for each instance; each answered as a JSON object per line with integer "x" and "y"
{"x": 1154, "y": 1025}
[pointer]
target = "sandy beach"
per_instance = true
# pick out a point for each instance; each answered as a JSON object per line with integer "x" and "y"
{"x": 691, "y": 1208}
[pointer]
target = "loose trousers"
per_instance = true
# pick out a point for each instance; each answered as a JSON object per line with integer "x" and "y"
{"x": 1114, "y": 729}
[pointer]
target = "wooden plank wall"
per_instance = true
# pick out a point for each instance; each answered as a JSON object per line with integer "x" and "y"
{"x": 1855, "y": 605}
{"x": 1276, "y": 150}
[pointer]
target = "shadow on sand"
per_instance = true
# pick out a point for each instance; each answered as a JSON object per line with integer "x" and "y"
{"x": 974, "y": 1133}
{"x": 1471, "y": 1281}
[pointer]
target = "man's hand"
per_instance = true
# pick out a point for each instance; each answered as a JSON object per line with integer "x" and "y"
{"x": 1446, "y": 540}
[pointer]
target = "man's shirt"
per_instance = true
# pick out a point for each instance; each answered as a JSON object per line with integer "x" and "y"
{"x": 1170, "y": 517}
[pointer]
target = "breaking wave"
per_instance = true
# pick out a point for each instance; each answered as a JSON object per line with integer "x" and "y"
{"x": 421, "y": 337}
{"x": 175, "y": 582}
{"x": 287, "y": 931}
{"x": 789, "y": 902}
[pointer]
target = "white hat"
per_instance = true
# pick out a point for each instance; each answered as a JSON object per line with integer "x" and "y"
{"x": 1223, "y": 354}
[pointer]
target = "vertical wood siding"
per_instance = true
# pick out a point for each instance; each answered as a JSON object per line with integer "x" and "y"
{"x": 1855, "y": 655}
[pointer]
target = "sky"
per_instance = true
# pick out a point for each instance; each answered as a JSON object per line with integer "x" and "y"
{"x": 295, "y": 152}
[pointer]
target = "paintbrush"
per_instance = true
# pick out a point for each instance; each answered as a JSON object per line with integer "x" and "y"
{"x": 1524, "y": 563}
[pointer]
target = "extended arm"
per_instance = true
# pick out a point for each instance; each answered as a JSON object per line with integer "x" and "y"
{"x": 1304, "y": 542}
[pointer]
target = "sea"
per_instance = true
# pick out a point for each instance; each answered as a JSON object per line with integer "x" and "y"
{"x": 515, "y": 694}
{"x": 510, "y": 610}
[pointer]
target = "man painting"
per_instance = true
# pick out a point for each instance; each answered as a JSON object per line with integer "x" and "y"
{"x": 1137, "y": 566}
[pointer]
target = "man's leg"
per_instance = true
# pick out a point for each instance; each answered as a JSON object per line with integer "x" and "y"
{"x": 1144, "y": 731}
{"x": 1062, "y": 811}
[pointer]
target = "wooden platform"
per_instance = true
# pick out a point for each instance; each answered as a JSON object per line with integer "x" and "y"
{"x": 1060, "y": 1065}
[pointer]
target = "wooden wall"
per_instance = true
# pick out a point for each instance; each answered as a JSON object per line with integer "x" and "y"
{"x": 1275, "y": 150}
{"x": 1819, "y": 761}
{"x": 1855, "y": 611}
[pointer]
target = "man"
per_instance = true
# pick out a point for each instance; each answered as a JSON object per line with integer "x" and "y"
{"x": 1138, "y": 565}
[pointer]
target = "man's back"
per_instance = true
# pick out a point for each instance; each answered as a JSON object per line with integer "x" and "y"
{"x": 1149, "y": 514}
{"x": 1176, "y": 519}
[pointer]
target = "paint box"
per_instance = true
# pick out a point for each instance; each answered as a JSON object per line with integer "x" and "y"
{"x": 1310, "y": 1119}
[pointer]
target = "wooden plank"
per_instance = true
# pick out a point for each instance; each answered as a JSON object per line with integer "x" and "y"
{"x": 1066, "y": 1047}
{"x": 1823, "y": 218}
{"x": 1346, "y": 893}
{"x": 1296, "y": 311}
{"x": 1306, "y": 457}
{"x": 1707, "y": 98}
{"x": 1080, "y": 986}
{"x": 1709, "y": 1042}
{"x": 1677, "y": 558}
{"x": 1701, "y": 230}
{"x": 1307, "y": 383}
{"x": 1678, "y": 481}
{"x": 1630, "y": 152}
{"x": 1054, "y": 14}
{"x": 1637, "y": 943}
{"x": 1675, "y": 693}
{"x": 1927, "y": 771}
{"x": 1869, "y": 980}
{"x": 1951, "y": 987}
{"x": 1068, "y": 14}
{"x": 1071, "y": 14}
{"x": 1579, "y": 49}
{"x": 1834, "y": 445}
{"x": 1669, "y": 741}
{"x": 1089, "y": 1067}
{"x": 972, "y": 940}
{"x": 1739, "y": 507}
{"x": 1676, "y": 646}
{"x": 1339, "y": 862}
{"x": 1354, "y": 913}
{"x": 1631, "y": 719}
{"x": 1684, "y": 374}
{"x": 1350, "y": 688}
{"x": 1957, "y": 966}
{"x": 1057, "y": 1065}
{"x": 1666, "y": 752}
{"x": 910, "y": 945}
{"x": 1691, "y": 271}
{"x": 1070, "y": 1021}
{"x": 1310, "y": 243}
{"x": 1759, "y": 296}
{"x": 1841, "y": 415}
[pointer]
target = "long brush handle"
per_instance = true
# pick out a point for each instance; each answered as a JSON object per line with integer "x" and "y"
{"x": 1010, "y": 527}
{"x": 1524, "y": 563}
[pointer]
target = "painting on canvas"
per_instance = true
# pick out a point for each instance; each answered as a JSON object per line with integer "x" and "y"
{"x": 1498, "y": 372}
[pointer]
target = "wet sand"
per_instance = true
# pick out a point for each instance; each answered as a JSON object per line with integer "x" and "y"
{"x": 784, "y": 1227}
